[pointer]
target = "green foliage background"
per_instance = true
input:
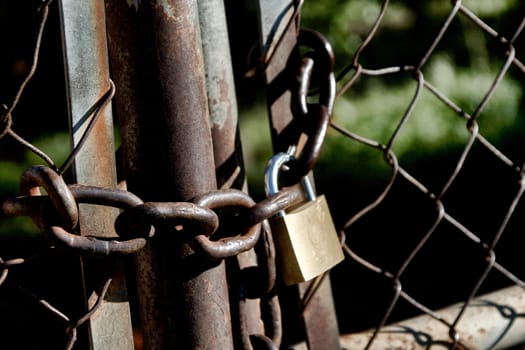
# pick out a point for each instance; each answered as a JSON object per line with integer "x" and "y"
{"x": 463, "y": 67}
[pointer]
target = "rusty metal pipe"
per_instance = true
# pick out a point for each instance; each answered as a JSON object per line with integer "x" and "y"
{"x": 162, "y": 109}
{"x": 222, "y": 103}
{"x": 220, "y": 87}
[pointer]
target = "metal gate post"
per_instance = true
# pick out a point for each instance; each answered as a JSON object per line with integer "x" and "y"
{"x": 157, "y": 64}
{"x": 318, "y": 319}
{"x": 222, "y": 103}
{"x": 87, "y": 83}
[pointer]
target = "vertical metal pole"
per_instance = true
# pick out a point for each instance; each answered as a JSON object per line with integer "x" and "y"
{"x": 161, "y": 101}
{"x": 87, "y": 80}
{"x": 220, "y": 86}
{"x": 277, "y": 44}
{"x": 318, "y": 319}
{"x": 222, "y": 104}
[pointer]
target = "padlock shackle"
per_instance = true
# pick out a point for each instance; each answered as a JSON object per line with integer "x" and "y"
{"x": 308, "y": 188}
{"x": 271, "y": 173}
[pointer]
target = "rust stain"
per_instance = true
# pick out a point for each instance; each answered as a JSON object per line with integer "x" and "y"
{"x": 170, "y": 12}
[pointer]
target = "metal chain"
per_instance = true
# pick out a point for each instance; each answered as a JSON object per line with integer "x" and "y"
{"x": 304, "y": 135}
{"x": 258, "y": 282}
{"x": 230, "y": 214}
{"x": 56, "y": 214}
{"x": 219, "y": 225}
{"x": 311, "y": 120}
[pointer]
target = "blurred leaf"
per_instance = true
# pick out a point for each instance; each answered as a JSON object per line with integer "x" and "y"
{"x": 18, "y": 227}
{"x": 256, "y": 142}
{"x": 10, "y": 173}
{"x": 56, "y": 145}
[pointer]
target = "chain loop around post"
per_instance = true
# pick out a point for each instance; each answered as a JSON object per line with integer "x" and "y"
{"x": 57, "y": 190}
{"x": 57, "y": 215}
{"x": 95, "y": 245}
{"x": 228, "y": 246}
{"x": 194, "y": 219}
{"x": 86, "y": 244}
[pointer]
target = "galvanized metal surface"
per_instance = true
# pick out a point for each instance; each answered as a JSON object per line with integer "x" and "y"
{"x": 220, "y": 88}
{"x": 278, "y": 36}
{"x": 164, "y": 122}
{"x": 274, "y": 18}
{"x": 87, "y": 80}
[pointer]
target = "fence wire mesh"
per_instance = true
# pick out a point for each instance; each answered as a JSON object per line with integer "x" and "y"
{"x": 431, "y": 234}
{"x": 445, "y": 221}
{"x": 41, "y": 288}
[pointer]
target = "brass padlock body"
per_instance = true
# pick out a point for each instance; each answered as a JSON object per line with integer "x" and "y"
{"x": 306, "y": 240}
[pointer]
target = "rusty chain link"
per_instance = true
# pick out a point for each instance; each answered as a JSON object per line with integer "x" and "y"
{"x": 138, "y": 218}
{"x": 57, "y": 210}
{"x": 258, "y": 282}
{"x": 39, "y": 176}
{"x": 231, "y": 245}
{"x": 311, "y": 120}
{"x": 137, "y": 221}
{"x": 220, "y": 224}
{"x": 52, "y": 205}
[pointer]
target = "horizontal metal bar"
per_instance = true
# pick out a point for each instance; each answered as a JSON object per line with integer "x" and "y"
{"x": 492, "y": 321}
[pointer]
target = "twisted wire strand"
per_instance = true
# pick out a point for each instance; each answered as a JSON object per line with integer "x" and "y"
{"x": 357, "y": 70}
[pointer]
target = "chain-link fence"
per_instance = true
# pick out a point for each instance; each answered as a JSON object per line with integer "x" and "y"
{"x": 445, "y": 227}
{"x": 425, "y": 194}
{"x": 42, "y": 294}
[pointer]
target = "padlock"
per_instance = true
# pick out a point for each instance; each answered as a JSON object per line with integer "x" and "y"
{"x": 306, "y": 240}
